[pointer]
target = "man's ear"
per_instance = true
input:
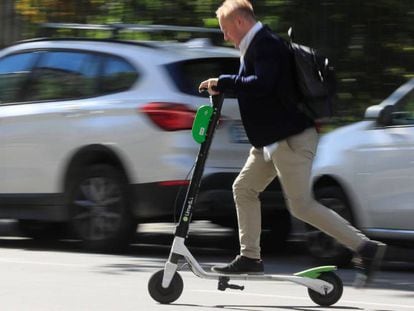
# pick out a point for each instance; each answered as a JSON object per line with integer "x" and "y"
{"x": 239, "y": 21}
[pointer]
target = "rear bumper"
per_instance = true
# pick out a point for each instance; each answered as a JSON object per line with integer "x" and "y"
{"x": 151, "y": 202}
{"x": 155, "y": 202}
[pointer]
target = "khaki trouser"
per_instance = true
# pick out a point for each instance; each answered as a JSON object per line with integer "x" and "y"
{"x": 292, "y": 163}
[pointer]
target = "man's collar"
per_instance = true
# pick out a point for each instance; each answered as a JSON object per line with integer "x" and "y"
{"x": 248, "y": 37}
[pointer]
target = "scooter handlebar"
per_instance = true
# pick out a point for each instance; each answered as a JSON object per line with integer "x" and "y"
{"x": 216, "y": 100}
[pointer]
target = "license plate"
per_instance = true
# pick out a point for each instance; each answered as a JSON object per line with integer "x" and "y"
{"x": 237, "y": 133}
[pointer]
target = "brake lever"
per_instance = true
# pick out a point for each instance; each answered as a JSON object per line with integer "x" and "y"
{"x": 204, "y": 89}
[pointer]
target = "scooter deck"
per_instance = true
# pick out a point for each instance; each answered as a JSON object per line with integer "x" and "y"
{"x": 312, "y": 273}
{"x": 308, "y": 278}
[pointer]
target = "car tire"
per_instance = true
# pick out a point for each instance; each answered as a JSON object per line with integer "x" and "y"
{"x": 325, "y": 249}
{"x": 99, "y": 209}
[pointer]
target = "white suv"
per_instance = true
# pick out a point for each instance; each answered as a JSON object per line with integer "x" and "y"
{"x": 95, "y": 134}
{"x": 365, "y": 172}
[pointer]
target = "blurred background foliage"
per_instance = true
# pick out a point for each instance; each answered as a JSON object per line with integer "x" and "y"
{"x": 371, "y": 42}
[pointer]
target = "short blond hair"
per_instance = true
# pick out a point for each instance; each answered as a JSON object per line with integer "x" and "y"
{"x": 243, "y": 7}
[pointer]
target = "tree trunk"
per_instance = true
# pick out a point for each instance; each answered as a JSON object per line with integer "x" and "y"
{"x": 10, "y": 24}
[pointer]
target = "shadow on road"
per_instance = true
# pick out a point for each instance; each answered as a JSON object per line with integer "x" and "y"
{"x": 250, "y": 307}
{"x": 151, "y": 249}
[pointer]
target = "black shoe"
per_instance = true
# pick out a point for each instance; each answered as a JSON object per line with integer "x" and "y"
{"x": 241, "y": 265}
{"x": 369, "y": 261}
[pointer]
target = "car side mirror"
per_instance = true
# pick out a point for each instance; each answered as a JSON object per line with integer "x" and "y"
{"x": 385, "y": 117}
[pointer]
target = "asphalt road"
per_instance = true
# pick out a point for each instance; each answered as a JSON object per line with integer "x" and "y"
{"x": 58, "y": 276}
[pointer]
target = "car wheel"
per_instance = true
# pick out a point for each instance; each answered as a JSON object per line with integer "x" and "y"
{"x": 321, "y": 246}
{"x": 99, "y": 207}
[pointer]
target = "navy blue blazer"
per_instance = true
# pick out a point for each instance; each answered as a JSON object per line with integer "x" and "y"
{"x": 266, "y": 91}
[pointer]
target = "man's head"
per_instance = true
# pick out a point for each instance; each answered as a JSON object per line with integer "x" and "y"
{"x": 236, "y": 18}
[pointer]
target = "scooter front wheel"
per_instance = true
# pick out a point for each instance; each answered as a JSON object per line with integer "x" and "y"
{"x": 332, "y": 297}
{"x": 165, "y": 295}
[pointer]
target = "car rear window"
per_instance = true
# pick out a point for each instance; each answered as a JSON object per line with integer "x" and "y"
{"x": 188, "y": 74}
{"x": 118, "y": 75}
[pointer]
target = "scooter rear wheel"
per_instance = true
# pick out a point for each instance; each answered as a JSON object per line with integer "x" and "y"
{"x": 332, "y": 297}
{"x": 165, "y": 295}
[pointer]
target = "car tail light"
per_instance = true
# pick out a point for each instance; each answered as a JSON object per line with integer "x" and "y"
{"x": 319, "y": 126}
{"x": 170, "y": 116}
{"x": 172, "y": 183}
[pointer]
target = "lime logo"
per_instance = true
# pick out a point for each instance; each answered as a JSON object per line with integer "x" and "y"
{"x": 185, "y": 219}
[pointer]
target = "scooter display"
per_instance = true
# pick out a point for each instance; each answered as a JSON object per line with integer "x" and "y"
{"x": 166, "y": 285}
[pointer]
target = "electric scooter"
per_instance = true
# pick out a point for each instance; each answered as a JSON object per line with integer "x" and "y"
{"x": 166, "y": 285}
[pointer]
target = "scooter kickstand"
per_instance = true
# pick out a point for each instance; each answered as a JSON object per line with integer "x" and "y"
{"x": 223, "y": 284}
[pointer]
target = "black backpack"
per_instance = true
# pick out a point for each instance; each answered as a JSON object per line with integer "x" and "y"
{"x": 315, "y": 80}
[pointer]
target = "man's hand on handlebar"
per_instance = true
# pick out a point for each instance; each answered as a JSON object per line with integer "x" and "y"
{"x": 209, "y": 85}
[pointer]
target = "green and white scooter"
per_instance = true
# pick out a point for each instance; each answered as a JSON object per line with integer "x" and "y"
{"x": 166, "y": 285}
